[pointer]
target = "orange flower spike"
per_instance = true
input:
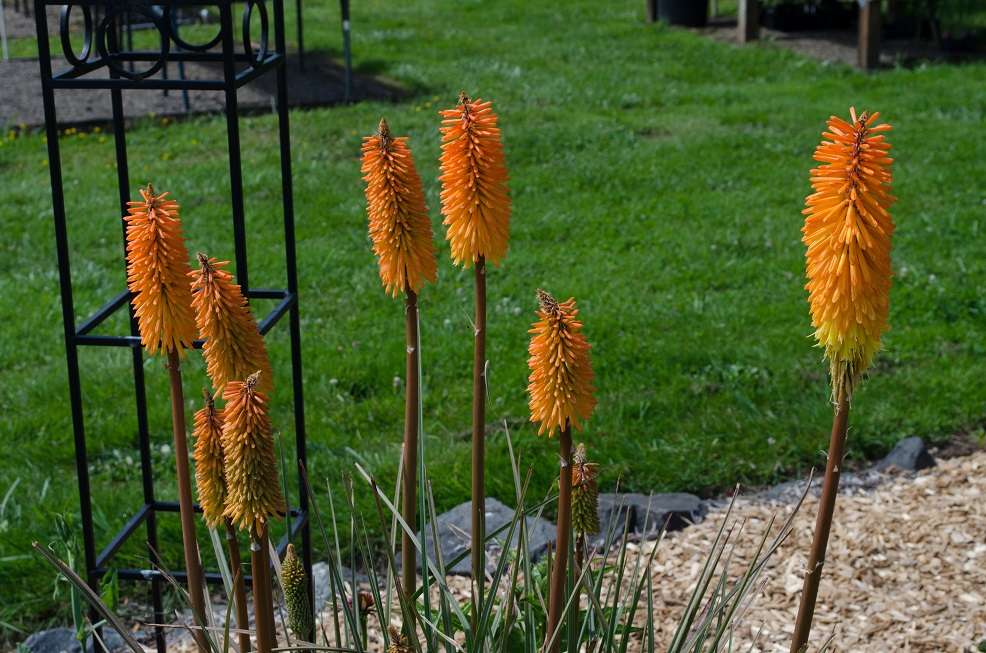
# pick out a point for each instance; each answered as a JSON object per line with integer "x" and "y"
{"x": 847, "y": 232}
{"x": 560, "y": 384}
{"x": 157, "y": 268}
{"x": 209, "y": 478}
{"x": 253, "y": 493}
{"x": 233, "y": 346}
{"x": 399, "y": 224}
{"x": 474, "y": 195}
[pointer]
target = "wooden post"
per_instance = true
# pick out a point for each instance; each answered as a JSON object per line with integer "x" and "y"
{"x": 869, "y": 35}
{"x": 651, "y": 11}
{"x": 748, "y": 28}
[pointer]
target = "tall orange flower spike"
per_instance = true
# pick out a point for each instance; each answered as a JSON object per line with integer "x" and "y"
{"x": 209, "y": 478}
{"x": 233, "y": 346}
{"x": 253, "y": 493}
{"x": 157, "y": 269}
{"x": 474, "y": 195}
{"x": 848, "y": 230}
{"x": 399, "y": 224}
{"x": 560, "y": 384}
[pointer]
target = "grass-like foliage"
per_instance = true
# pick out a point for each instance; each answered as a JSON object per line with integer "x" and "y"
{"x": 609, "y": 606}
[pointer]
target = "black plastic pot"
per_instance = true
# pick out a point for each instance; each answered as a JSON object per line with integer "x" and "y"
{"x": 808, "y": 15}
{"x": 687, "y": 13}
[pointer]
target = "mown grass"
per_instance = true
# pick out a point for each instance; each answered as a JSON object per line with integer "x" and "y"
{"x": 656, "y": 175}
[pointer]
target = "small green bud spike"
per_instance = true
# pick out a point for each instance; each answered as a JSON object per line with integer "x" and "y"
{"x": 296, "y": 594}
{"x": 585, "y": 493}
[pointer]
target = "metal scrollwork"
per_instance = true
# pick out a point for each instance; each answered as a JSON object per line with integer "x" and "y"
{"x": 262, "y": 51}
{"x": 110, "y": 49}
{"x": 171, "y": 15}
{"x": 64, "y": 29}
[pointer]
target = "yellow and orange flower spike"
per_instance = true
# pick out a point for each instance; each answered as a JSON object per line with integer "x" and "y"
{"x": 848, "y": 232}
{"x": 560, "y": 384}
{"x": 209, "y": 469}
{"x": 253, "y": 493}
{"x": 157, "y": 273}
{"x": 399, "y": 224}
{"x": 474, "y": 195}
{"x": 233, "y": 347}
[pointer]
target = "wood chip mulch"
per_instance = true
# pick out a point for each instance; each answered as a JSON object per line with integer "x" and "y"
{"x": 905, "y": 570}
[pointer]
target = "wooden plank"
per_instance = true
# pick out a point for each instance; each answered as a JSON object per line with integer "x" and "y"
{"x": 749, "y": 20}
{"x": 869, "y": 35}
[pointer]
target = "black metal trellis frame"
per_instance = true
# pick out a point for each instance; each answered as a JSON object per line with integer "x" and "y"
{"x": 102, "y": 53}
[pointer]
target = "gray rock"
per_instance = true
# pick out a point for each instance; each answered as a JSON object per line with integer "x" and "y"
{"x": 677, "y": 509}
{"x": 614, "y": 513}
{"x": 909, "y": 455}
{"x": 322, "y": 583}
{"x": 454, "y": 535}
{"x": 62, "y": 640}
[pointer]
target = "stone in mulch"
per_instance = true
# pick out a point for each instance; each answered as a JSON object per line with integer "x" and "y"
{"x": 320, "y": 84}
{"x": 910, "y": 455}
{"x": 454, "y": 535}
{"x": 62, "y": 640}
{"x": 645, "y": 514}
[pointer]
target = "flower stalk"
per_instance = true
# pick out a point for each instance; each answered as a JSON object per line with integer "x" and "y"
{"x": 210, "y": 481}
{"x": 411, "y": 425}
{"x": 253, "y": 491}
{"x": 561, "y": 398}
{"x": 157, "y": 277}
{"x": 476, "y": 206}
{"x": 190, "y": 546}
{"x": 559, "y": 567}
{"x": 402, "y": 240}
{"x": 847, "y": 232}
{"x": 478, "y": 485}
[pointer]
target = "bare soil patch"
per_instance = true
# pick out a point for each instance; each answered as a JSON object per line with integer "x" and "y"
{"x": 320, "y": 84}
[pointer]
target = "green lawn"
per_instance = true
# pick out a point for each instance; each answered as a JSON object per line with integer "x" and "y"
{"x": 656, "y": 176}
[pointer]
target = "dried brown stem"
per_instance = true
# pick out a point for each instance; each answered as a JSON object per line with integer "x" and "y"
{"x": 823, "y": 523}
{"x": 193, "y": 564}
